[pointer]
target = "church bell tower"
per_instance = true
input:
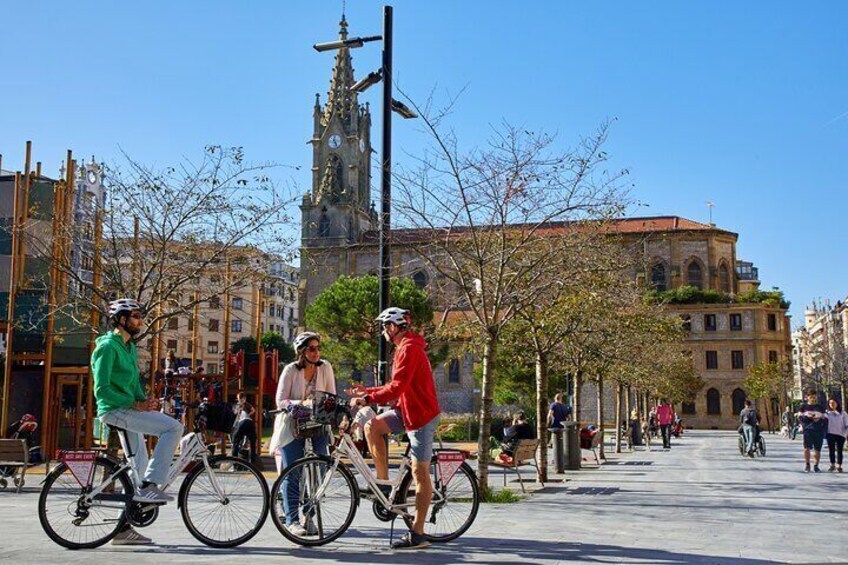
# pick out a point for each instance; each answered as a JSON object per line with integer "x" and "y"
{"x": 337, "y": 210}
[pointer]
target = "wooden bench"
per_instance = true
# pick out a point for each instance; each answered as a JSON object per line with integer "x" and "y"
{"x": 524, "y": 455}
{"x": 14, "y": 455}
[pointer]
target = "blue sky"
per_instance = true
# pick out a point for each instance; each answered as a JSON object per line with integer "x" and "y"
{"x": 743, "y": 104}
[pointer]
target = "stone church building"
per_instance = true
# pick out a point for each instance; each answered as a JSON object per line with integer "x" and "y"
{"x": 339, "y": 237}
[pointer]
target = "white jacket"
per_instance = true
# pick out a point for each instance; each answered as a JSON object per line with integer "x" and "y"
{"x": 292, "y": 390}
{"x": 837, "y": 422}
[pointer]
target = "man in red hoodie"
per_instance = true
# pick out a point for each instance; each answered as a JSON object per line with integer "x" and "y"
{"x": 417, "y": 413}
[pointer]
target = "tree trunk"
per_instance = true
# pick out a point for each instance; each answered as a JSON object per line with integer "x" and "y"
{"x": 486, "y": 391}
{"x": 578, "y": 385}
{"x": 542, "y": 414}
{"x": 627, "y": 404}
{"x": 618, "y": 392}
{"x": 601, "y": 416}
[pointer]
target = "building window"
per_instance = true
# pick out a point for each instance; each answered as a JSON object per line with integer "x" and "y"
{"x": 738, "y": 398}
{"x": 736, "y": 322}
{"x": 236, "y": 326}
{"x": 238, "y": 303}
{"x": 213, "y": 325}
{"x": 191, "y": 324}
{"x": 215, "y": 303}
{"x": 772, "y": 356}
{"x": 687, "y": 408}
{"x": 453, "y": 371}
{"x": 212, "y": 347}
{"x": 171, "y": 344}
{"x": 712, "y": 359}
{"x": 737, "y": 360}
{"x": 190, "y": 347}
{"x": 713, "y": 402}
{"x": 710, "y": 322}
{"x": 693, "y": 275}
{"x": 658, "y": 277}
{"x": 271, "y": 310}
{"x": 173, "y": 323}
{"x": 212, "y": 369}
{"x": 420, "y": 279}
{"x": 772, "y": 322}
{"x": 324, "y": 225}
{"x": 724, "y": 278}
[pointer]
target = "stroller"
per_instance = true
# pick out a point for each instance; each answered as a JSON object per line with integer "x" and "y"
{"x": 22, "y": 429}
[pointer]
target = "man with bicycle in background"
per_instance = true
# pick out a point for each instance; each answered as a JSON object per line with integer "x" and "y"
{"x": 121, "y": 402}
{"x": 417, "y": 413}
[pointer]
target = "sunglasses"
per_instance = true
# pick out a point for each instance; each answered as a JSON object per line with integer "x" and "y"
{"x": 136, "y": 316}
{"x": 313, "y": 348}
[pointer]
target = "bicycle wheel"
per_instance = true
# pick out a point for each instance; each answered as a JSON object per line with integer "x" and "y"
{"x": 237, "y": 517}
{"x": 761, "y": 446}
{"x": 454, "y": 506}
{"x": 326, "y": 499}
{"x": 71, "y": 522}
{"x": 741, "y": 446}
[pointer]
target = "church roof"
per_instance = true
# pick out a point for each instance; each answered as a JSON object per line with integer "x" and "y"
{"x": 340, "y": 100}
{"x": 622, "y": 226}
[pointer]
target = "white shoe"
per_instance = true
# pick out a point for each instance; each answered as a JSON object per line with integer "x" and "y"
{"x": 297, "y": 530}
{"x": 152, "y": 495}
{"x": 130, "y": 537}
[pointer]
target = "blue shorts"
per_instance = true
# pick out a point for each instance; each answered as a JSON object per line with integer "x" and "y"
{"x": 420, "y": 440}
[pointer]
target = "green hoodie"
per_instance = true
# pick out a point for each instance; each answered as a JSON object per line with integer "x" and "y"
{"x": 114, "y": 365}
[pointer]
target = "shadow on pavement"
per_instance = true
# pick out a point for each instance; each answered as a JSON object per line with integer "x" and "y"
{"x": 472, "y": 549}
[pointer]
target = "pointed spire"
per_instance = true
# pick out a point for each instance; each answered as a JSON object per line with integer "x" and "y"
{"x": 340, "y": 100}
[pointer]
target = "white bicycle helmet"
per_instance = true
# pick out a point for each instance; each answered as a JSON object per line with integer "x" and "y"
{"x": 394, "y": 315}
{"x": 123, "y": 306}
{"x": 303, "y": 338}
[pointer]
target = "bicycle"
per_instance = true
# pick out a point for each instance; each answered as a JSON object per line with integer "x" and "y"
{"x": 329, "y": 494}
{"x": 87, "y": 499}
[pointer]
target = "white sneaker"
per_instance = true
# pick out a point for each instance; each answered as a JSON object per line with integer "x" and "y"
{"x": 152, "y": 495}
{"x": 130, "y": 537}
{"x": 297, "y": 530}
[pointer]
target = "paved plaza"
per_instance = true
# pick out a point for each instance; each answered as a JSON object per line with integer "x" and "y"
{"x": 699, "y": 503}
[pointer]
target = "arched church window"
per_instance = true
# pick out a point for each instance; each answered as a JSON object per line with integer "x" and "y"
{"x": 738, "y": 398}
{"x": 658, "y": 277}
{"x": 420, "y": 279}
{"x": 724, "y": 278}
{"x": 694, "y": 275}
{"x": 713, "y": 402}
{"x": 324, "y": 224}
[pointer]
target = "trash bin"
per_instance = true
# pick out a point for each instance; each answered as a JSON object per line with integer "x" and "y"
{"x": 573, "y": 456}
{"x": 558, "y": 435}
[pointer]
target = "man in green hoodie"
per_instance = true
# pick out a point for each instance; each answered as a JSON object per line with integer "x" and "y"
{"x": 121, "y": 402}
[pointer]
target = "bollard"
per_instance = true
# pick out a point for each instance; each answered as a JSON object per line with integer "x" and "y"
{"x": 573, "y": 455}
{"x": 559, "y": 448}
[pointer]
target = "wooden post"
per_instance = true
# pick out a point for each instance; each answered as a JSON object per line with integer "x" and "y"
{"x": 94, "y": 324}
{"x": 24, "y": 210}
{"x": 194, "y": 340}
{"x": 227, "y": 322}
{"x": 259, "y": 400}
{"x": 13, "y": 290}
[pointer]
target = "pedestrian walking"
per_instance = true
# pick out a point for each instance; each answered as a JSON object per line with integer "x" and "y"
{"x": 837, "y": 428}
{"x": 665, "y": 417}
{"x": 814, "y": 421}
{"x": 748, "y": 423}
{"x": 245, "y": 428}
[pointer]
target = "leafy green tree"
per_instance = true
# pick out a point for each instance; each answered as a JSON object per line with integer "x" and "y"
{"x": 275, "y": 341}
{"x": 344, "y": 315}
{"x": 246, "y": 344}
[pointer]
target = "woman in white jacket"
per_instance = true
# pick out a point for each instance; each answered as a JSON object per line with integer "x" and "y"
{"x": 298, "y": 384}
{"x": 837, "y": 428}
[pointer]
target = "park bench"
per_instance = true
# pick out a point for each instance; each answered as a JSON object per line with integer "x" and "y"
{"x": 523, "y": 455}
{"x": 14, "y": 458}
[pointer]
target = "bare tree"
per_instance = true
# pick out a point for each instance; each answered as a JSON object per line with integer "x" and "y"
{"x": 479, "y": 218}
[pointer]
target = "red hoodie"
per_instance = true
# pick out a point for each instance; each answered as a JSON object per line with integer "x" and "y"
{"x": 412, "y": 383}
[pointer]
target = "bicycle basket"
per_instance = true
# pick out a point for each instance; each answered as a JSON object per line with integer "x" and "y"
{"x": 329, "y": 409}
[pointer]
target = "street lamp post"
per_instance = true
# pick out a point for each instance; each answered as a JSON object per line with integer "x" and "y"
{"x": 389, "y": 105}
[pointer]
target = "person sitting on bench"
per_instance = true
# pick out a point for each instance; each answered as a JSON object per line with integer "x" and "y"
{"x": 520, "y": 429}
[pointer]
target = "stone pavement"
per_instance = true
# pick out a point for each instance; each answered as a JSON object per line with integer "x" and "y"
{"x": 698, "y": 503}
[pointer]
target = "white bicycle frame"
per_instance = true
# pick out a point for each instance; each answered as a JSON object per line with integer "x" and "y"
{"x": 191, "y": 445}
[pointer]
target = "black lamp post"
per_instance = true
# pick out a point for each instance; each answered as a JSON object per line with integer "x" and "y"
{"x": 389, "y": 105}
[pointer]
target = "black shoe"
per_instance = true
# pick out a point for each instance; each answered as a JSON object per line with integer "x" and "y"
{"x": 411, "y": 540}
{"x": 385, "y": 489}
{"x": 816, "y": 469}
{"x": 807, "y": 468}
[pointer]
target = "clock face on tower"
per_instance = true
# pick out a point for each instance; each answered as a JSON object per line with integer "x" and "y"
{"x": 92, "y": 177}
{"x": 335, "y": 141}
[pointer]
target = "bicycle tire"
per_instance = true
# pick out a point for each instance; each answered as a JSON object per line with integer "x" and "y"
{"x": 230, "y": 472}
{"x": 74, "y": 492}
{"x": 343, "y": 490}
{"x": 741, "y": 446}
{"x": 761, "y": 447}
{"x": 463, "y": 485}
